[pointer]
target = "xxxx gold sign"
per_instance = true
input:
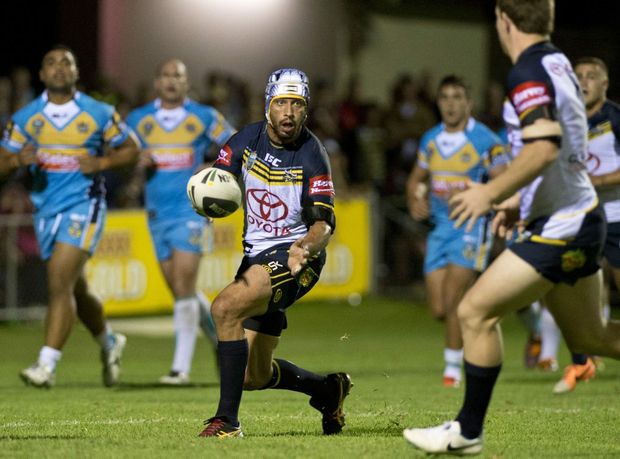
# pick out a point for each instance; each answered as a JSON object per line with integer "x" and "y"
{"x": 125, "y": 274}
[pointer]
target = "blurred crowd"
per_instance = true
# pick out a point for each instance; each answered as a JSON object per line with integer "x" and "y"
{"x": 372, "y": 145}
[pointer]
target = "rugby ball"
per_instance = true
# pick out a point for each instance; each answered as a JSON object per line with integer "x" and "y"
{"x": 214, "y": 192}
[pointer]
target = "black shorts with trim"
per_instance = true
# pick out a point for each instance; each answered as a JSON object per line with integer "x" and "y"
{"x": 285, "y": 289}
{"x": 577, "y": 258}
{"x": 611, "y": 252}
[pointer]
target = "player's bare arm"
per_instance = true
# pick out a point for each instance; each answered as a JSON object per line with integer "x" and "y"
{"x": 417, "y": 193}
{"x": 305, "y": 248}
{"x": 535, "y": 156}
{"x": 124, "y": 155}
{"x": 606, "y": 181}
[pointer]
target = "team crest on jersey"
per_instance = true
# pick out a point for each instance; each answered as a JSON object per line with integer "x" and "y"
{"x": 37, "y": 126}
{"x": 147, "y": 129}
{"x": 469, "y": 252}
{"x": 306, "y": 277}
{"x": 252, "y": 155}
{"x": 75, "y": 230}
{"x": 573, "y": 259}
{"x": 82, "y": 127}
{"x": 190, "y": 127}
{"x": 465, "y": 158}
{"x": 289, "y": 175}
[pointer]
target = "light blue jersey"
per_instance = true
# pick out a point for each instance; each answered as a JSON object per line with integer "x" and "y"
{"x": 62, "y": 134}
{"x": 177, "y": 140}
{"x": 453, "y": 159}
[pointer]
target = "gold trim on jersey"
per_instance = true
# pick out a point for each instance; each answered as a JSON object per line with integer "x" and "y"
{"x": 599, "y": 130}
{"x": 318, "y": 203}
{"x": 547, "y": 240}
{"x": 290, "y": 176}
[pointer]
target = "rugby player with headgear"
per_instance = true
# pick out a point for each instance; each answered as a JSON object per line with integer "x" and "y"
{"x": 289, "y": 219}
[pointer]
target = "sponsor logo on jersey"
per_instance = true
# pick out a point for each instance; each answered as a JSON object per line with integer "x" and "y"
{"x": 321, "y": 185}
{"x": 225, "y": 156}
{"x": 530, "y": 94}
{"x": 57, "y": 161}
{"x": 172, "y": 160}
{"x": 264, "y": 210}
{"x": 593, "y": 162}
{"x": 266, "y": 206}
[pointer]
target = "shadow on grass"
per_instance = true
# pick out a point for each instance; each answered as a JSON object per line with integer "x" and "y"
{"x": 132, "y": 386}
{"x": 40, "y": 437}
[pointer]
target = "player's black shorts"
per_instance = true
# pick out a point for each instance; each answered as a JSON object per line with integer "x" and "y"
{"x": 565, "y": 261}
{"x": 611, "y": 252}
{"x": 285, "y": 289}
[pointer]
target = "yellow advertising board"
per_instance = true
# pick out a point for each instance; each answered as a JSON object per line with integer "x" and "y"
{"x": 125, "y": 274}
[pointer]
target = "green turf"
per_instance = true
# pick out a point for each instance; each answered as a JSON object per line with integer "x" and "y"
{"x": 393, "y": 351}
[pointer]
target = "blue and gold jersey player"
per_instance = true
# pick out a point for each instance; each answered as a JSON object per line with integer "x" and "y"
{"x": 289, "y": 219}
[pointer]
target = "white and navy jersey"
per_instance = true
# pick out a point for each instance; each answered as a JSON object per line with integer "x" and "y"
{"x": 604, "y": 153}
{"x": 279, "y": 183}
{"x": 542, "y": 84}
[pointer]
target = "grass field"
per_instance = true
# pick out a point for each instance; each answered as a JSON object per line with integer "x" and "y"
{"x": 392, "y": 350}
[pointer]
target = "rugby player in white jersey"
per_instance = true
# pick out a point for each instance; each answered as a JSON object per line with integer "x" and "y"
{"x": 557, "y": 257}
{"x": 289, "y": 219}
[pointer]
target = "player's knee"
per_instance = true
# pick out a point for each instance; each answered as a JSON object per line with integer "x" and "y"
{"x": 255, "y": 380}
{"x": 470, "y": 316}
{"x": 223, "y": 312}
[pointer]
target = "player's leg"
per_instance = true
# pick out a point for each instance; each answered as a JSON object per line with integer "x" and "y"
{"x": 90, "y": 312}
{"x": 182, "y": 268}
{"x": 508, "y": 284}
{"x": 550, "y": 341}
{"x": 434, "y": 282}
{"x": 247, "y": 296}
{"x": 530, "y": 317}
{"x": 456, "y": 282}
{"x": 576, "y": 310}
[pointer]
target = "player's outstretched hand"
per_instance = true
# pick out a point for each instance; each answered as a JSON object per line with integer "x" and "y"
{"x": 469, "y": 205}
{"x": 298, "y": 256}
{"x": 507, "y": 217}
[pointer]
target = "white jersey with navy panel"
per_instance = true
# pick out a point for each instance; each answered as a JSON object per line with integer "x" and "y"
{"x": 178, "y": 140}
{"x": 62, "y": 134}
{"x": 279, "y": 184}
{"x": 542, "y": 84}
{"x": 604, "y": 153}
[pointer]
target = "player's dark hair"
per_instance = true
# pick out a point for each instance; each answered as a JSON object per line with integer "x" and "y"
{"x": 530, "y": 16}
{"x": 454, "y": 80}
{"x": 592, "y": 61}
{"x": 61, "y": 47}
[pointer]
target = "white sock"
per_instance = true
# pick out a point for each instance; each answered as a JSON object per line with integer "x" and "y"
{"x": 49, "y": 357}
{"x": 606, "y": 311}
{"x": 206, "y": 321}
{"x": 530, "y": 317}
{"x": 186, "y": 317}
{"x": 454, "y": 361}
{"x": 106, "y": 338}
{"x": 550, "y": 336}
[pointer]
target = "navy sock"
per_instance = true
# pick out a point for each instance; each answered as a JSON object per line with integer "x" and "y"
{"x": 288, "y": 376}
{"x": 479, "y": 383}
{"x": 233, "y": 358}
{"x": 579, "y": 359}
